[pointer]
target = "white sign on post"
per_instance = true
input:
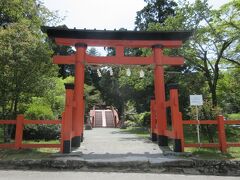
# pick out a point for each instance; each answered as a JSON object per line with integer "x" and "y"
{"x": 196, "y": 100}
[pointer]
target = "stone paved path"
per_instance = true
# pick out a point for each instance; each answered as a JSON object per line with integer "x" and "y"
{"x": 114, "y": 143}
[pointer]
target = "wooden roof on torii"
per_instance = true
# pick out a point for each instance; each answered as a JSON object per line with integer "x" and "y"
{"x": 119, "y": 40}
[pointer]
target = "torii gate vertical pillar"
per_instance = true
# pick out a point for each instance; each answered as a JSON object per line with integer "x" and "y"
{"x": 160, "y": 95}
{"x": 78, "y": 111}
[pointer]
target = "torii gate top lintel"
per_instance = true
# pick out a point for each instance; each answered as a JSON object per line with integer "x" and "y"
{"x": 70, "y": 37}
{"x": 119, "y": 40}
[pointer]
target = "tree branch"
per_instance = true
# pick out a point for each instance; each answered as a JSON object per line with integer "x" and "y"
{"x": 231, "y": 60}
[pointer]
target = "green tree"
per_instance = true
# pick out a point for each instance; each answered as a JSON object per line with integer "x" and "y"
{"x": 156, "y": 11}
{"x": 136, "y": 89}
{"x": 211, "y": 43}
{"x": 110, "y": 90}
{"x": 25, "y": 58}
{"x": 92, "y": 97}
{"x": 25, "y": 65}
{"x": 31, "y": 12}
{"x": 228, "y": 91}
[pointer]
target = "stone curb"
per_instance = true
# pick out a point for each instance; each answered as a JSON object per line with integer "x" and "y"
{"x": 188, "y": 166}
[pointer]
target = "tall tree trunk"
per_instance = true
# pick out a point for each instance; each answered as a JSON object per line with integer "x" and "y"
{"x": 214, "y": 95}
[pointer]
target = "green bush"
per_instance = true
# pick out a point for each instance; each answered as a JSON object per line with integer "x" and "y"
{"x": 235, "y": 116}
{"x": 144, "y": 119}
{"x": 42, "y": 131}
{"x": 38, "y": 111}
{"x": 129, "y": 123}
{"x": 138, "y": 120}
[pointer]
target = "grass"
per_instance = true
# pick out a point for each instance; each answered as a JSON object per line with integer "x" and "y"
{"x": 12, "y": 154}
{"x": 140, "y": 131}
{"x": 213, "y": 153}
{"x": 37, "y": 153}
{"x": 41, "y": 142}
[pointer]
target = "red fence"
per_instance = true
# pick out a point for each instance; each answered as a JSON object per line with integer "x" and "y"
{"x": 20, "y": 122}
{"x": 222, "y": 141}
{"x": 176, "y": 130}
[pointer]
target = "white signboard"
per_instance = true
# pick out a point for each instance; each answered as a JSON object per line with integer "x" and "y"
{"x": 196, "y": 100}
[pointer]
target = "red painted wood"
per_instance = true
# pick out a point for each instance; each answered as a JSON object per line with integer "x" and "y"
{"x": 78, "y": 110}
{"x": 233, "y": 144}
{"x": 120, "y": 51}
{"x": 8, "y": 121}
{"x": 159, "y": 92}
{"x": 170, "y": 134}
{"x": 19, "y": 131}
{"x": 232, "y": 122}
{"x": 176, "y": 116}
{"x": 62, "y": 130}
{"x": 210, "y": 145}
{"x": 42, "y": 122}
{"x": 7, "y": 146}
{"x": 221, "y": 134}
{"x": 118, "y": 59}
{"x": 155, "y": 130}
{"x": 199, "y": 122}
{"x": 153, "y": 115}
{"x": 67, "y": 125}
{"x": 114, "y": 43}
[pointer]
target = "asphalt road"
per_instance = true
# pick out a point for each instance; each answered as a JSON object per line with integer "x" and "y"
{"x": 72, "y": 175}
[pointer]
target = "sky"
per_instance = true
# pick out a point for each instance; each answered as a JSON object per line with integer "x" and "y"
{"x": 102, "y": 14}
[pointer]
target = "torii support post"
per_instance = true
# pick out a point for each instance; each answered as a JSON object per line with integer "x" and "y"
{"x": 176, "y": 118}
{"x": 160, "y": 95}
{"x": 78, "y": 110}
{"x": 67, "y": 119}
{"x": 153, "y": 119}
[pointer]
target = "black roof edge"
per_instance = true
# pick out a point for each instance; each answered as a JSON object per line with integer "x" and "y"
{"x": 64, "y": 32}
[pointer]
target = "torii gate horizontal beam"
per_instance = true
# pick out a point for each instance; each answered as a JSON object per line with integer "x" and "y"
{"x": 125, "y": 60}
{"x": 114, "y": 43}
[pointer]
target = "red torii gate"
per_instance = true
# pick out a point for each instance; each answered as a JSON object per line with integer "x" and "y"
{"x": 73, "y": 116}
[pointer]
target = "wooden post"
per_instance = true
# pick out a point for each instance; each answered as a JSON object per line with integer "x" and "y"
{"x": 62, "y": 130}
{"x": 180, "y": 133}
{"x": 78, "y": 111}
{"x": 67, "y": 121}
{"x": 19, "y": 131}
{"x": 176, "y": 118}
{"x": 160, "y": 95}
{"x": 83, "y": 114}
{"x": 153, "y": 119}
{"x": 222, "y": 134}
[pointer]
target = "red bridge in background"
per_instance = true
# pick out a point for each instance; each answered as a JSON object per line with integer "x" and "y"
{"x": 104, "y": 118}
